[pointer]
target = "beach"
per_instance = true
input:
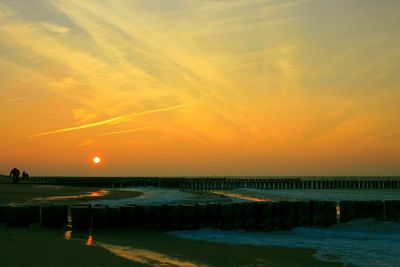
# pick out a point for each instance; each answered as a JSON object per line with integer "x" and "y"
{"x": 36, "y": 246}
{"x": 198, "y": 133}
{"x": 37, "y": 194}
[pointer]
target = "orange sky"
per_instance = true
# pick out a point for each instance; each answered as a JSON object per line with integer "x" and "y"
{"x": 200, "y": 87}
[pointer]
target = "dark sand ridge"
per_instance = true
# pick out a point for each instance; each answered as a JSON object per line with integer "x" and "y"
{"x": 26, "y": 193}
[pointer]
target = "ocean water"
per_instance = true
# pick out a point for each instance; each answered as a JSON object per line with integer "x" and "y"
{"x": 153, "y": 196}
{"x": 315, "y": 194}
{"x": 366, "y": 243}
{"x": 159, "y": 196}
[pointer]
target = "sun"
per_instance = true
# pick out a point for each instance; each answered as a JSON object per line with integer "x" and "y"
{"x": 96, "y": 160}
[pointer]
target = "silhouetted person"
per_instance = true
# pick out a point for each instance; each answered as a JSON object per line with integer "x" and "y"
{"x": 25, "y": 176}
{"x": 14, "y": 174}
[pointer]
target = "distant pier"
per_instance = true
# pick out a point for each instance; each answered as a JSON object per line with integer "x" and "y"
{"x": 226, "y": 183}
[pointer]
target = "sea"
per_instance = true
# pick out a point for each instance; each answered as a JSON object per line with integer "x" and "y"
{"x": 364, "y": 242}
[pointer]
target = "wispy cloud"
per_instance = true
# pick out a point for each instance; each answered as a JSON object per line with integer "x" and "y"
{"x": 111, "y": 121}
{"x": 55, "y": 28}
{"x": 126, "y": 131}
{"x": 13, "y": 99}
{"x": 81, "y": 127}
{"x": 86, "y": 142}
{"x": 267, "y": 78}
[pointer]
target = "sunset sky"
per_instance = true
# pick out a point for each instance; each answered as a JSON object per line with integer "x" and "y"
{"x": 200, "y": 87}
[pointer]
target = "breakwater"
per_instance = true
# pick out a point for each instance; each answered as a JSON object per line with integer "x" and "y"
{"x": 226, "y": 183}
{"x": 261, "y": 216}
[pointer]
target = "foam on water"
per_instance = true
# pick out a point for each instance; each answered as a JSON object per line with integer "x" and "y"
{"x": 366, "y": 243}
{"x": 316, "y": 194}
{"x": 159, "y": 196}
{"x": 361, "y": 242}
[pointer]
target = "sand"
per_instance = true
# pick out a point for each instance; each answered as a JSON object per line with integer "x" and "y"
{"x": 207, "y": 253}
{"x": 28, "y": 193}
{"x": 35, "y": 246}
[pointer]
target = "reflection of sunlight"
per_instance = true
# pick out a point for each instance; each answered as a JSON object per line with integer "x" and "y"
{"x": 99, "y": 193}
{"x": 146, "y": 256}
{"x": 89, "y": 241}
{"x": 254, "y": 199}
{"x": 67, "y": 234}
{"x": 68, "y": 231}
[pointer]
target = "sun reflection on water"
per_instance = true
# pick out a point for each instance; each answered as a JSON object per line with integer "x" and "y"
{"x": 147, "y": 257}
{"x": 68, "y": 230}
{"x": 248, "y": 198}
{"x": 68, "y": 234}
{"x": 99, "y": 193}
{"x": 89, "y": 241}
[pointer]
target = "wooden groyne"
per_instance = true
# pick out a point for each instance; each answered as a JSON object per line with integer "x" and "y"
{"x": 226, "y": 183}
{"x": 260, "y": 216}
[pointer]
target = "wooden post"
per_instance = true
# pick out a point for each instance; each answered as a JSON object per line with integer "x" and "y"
{"x": 128, "y": 216}
{"x": 53, "y": 216}
{"x": 113, "y": 217}
{"x": 81, "y": 217}
{"x": 392, "y": 210}
{"x": 99, "y": 217}
{"x": 3, "y": 213}
{"x": 34, "y": 214}
{"x": 18, "y": 216}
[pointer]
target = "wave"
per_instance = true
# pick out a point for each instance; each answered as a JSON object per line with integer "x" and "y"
{"x": 153, "y": 196}
{"x": 366, "y": 243}
{"x": 315, "y": 194}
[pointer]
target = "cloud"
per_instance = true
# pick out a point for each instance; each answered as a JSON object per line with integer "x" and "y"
{"x": 13, "y": 99}
{"x": 86, "y": 142}
{"x": 83, "y": 115}
{"x": 111, "y": 121}
{"x": 55, "y": 28}
{"x": 264, "y": 74}
{"x": 81, "y": 127}
{"x": 126, "y": 131}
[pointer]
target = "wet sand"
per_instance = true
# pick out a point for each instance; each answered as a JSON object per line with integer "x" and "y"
{"x": 35, "y": 246}
{"x": 28, "y": 193}
{"x": 202, "y": 253}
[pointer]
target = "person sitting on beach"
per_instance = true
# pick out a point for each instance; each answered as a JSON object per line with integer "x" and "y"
{"x": 14, "y": 174}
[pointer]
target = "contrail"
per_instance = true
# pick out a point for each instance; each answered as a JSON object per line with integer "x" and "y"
{"x": 125, "y": 131}
{"x": 80, "y": 127}
{"x": 115, "y": 120}
{"x": 11, "y": 99}
{"x": 146, "y": 112}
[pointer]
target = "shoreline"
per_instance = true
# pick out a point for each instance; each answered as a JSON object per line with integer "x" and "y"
{"x": 123, "y": 247}
{"x": 137, "y": 247}
{"x": 41, "y": 194}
